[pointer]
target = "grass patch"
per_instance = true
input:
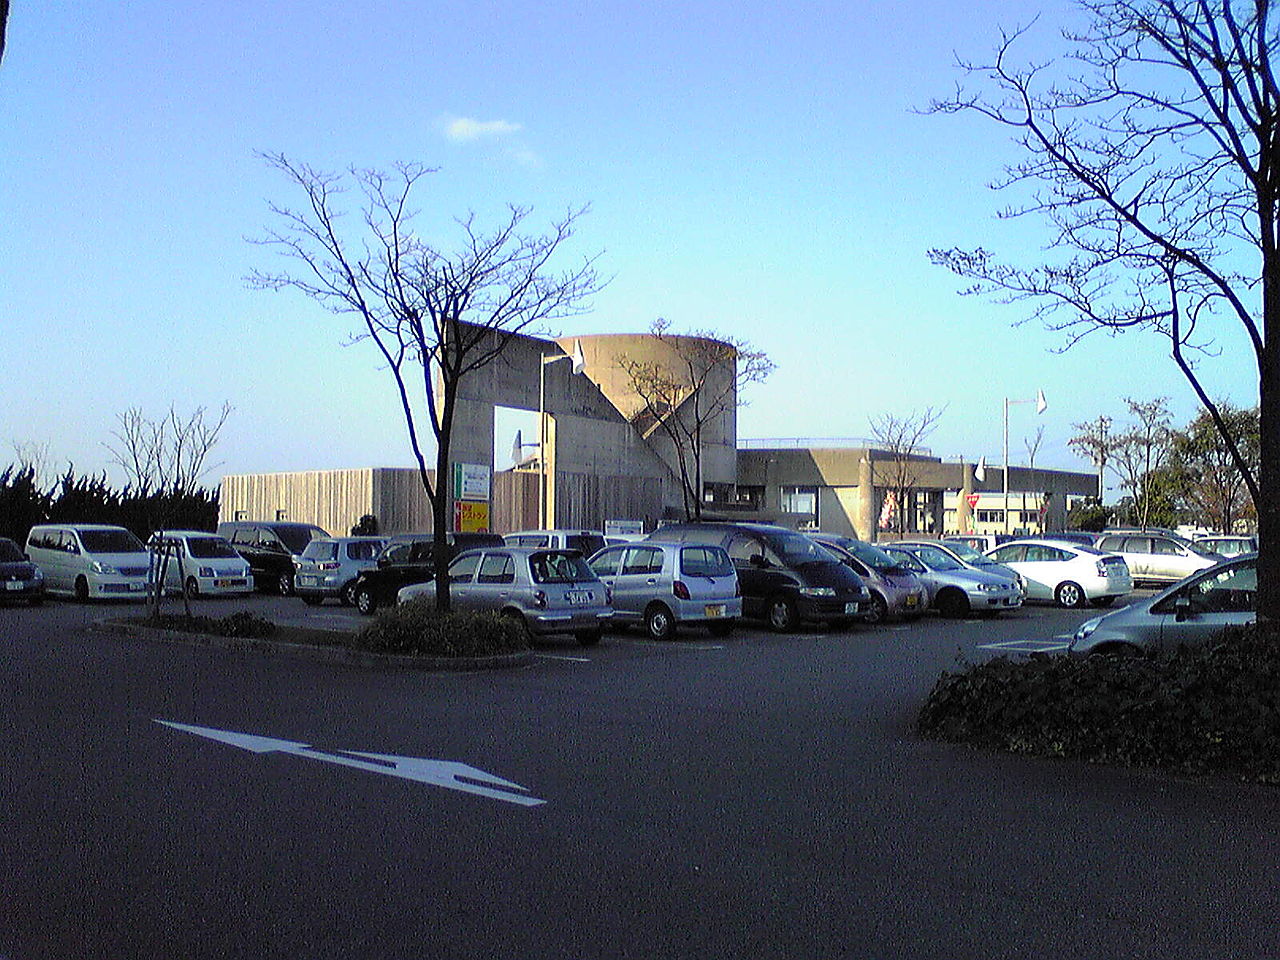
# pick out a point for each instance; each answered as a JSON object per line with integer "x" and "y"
{"x": 416, "y": 629}
{"x": 241, "y": 624}
{"x": 1207, "y": 709}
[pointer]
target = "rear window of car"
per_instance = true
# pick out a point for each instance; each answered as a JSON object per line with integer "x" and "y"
{"x": 705, "y": 562}
{"x": 559, "y": 567}
{"x": 320, "y": 550}
{"x": 297, "y": 538}
{"x": 586, "y": 542}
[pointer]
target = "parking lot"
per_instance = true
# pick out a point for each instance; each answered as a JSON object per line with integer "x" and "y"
{"x": 760, "y": 795}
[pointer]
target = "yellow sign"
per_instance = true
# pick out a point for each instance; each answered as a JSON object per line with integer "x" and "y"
{"x": 470, "y": 516}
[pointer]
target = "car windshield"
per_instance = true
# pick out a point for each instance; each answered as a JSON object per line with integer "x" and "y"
{"x": 1204, "y": 550}
{"x": 906, "y": 561}
{"x": 559, "y": 567}
{"x": 938, "y": 559}
{"x": 587, "y": 543}
{"x": 966, "y": 552}
{"x": 872, "y": 556}
{"x": 210, "y": 548}
{"x": 796, "y": 549}
{"x": 111, "y": 541}
{"x": 297, "y": 538}
{"x": 9, "y": 552}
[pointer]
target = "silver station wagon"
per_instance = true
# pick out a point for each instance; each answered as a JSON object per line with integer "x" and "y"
{"x": 548, "y": 591}
{"x": 330, "y": 566}
{"x": 665, "y": 584}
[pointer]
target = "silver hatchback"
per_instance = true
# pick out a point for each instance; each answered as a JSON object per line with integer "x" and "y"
{"x": 547, "y": 591}
{"x": 665, "y": 584}
{"x": 329, "y": 567}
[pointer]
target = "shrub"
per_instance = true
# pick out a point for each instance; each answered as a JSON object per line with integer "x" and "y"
{"x": 417, "y": 629}
{"x": 1208, "y": 709}
{"x": 242, "y": 624}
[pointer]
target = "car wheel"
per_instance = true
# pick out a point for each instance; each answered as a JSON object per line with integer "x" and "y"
{"x": 783, "y": 617}
{"x": 1102, "y": 601}
{"x": 589, "y": 638}
{"x": 659, "y": 622}
{"x": 366, "y": 602}
{"x": 284, "y": 585}
{"x": 1069, "y": 595}
{"x": 721, "y": 628}
{"x": 82, "y": 589}
{"x": 516, "y": 617}
{"x": 192, "y": 588}
{"x": 878, "y": 611}
{"x": 953, "y": 603}
{"x": 348, "y": 595}
{"x": 311, "y": 600}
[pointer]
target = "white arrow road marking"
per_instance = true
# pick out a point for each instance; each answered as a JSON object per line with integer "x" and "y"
{"x": 441, "y": 773}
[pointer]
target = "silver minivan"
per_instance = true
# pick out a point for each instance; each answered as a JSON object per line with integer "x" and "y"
{"x": 90, "y": 560}
{"x": 665, "y": 584}
{"x": 546, "y": 591}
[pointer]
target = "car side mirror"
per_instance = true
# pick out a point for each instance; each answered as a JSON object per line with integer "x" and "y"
{"x": 1182, "y": 608}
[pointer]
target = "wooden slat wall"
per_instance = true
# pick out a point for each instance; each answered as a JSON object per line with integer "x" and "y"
{"x": 333, "y": 499}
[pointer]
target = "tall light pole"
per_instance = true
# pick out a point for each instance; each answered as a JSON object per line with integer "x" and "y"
{"x": 1038, "y": 400}
{"x": 579, "y": 363}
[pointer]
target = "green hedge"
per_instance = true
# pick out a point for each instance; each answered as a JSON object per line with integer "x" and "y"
{"x": 242, "y": 624}
{"x": 1210, "y": 709}
{"x": 416, "y": 629}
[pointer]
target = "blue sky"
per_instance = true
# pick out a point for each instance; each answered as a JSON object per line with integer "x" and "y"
{"x": 752, "y": 168}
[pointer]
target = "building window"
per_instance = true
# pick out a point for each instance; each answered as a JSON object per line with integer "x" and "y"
{"x": 800, "y": 500}
{"x": 991, "y": 516}
{"x": 752, "y": 496}
{"x": 242, "y": 515}
{"x": 282, "y": 514}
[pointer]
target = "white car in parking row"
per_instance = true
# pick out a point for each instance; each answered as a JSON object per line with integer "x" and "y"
{"x": 1069, "y": 574}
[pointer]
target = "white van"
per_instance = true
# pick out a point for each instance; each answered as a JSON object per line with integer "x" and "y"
{"x": 202, "y": 564}
{"x": 585, "y": 541}
{"x": 89, "y": 560}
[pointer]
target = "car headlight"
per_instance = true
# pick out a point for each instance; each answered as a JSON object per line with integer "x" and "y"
{"x": 817, "y": 591}
{"x": 38, "y": 575}
{"x": 206, "y": 572}
{"x": 991, "y": 587}
{"x": 1086, "y": 629}
{"x": 99, "y": 567}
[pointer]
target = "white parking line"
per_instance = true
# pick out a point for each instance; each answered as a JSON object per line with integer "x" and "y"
{"x": 672, "y": 644}
{"x": 552, "y": 656}
{"x": 1029, "y": 646}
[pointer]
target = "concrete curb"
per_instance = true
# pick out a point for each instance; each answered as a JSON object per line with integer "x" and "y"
{"x": 322, "y": 654}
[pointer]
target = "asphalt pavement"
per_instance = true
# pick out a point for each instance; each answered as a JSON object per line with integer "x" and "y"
{"x": 756, "y": 796}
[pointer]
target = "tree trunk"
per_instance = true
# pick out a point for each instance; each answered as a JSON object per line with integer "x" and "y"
{"x": 1269, "y": 445}
{"x": 439, "y": 512}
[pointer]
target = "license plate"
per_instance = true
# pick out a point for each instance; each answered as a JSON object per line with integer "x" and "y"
{"x": 14, "y": 585}
{"x": 305, "y": 581}
{"x": 850, "y": 608}
{"x": 912, "y": 600}
{"x": 226, "y": 583}
{"x": 578, "y": 598}
{"x": 713, "y": 610}
{"x": 137, "y": 587}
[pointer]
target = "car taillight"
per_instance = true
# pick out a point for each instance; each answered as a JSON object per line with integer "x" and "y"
{"x": 1102, "y": 569}
{"x": 539, "y": 599}
{"x": 680, "y": 590}
{"x": 737, "y": 588}
{"x": 328, "y": 566}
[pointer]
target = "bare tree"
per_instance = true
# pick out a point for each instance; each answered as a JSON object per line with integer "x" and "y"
{"x": 1032, "y": 445}
{"x": 1094, "y": 441}
{"x": 33, "y": 456}
{"x": 435, "y": 316}
{"x": 902, "y": 438}
{"x": 1142, "y": 451}
{"x": 4, "y": 23}
{"x": 168, "y": 455}
{"x": 698, "y": 378}
{"x": 1155, "y": 158}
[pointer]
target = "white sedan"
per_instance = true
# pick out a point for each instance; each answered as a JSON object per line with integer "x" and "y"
{"x": 1067, "y": 573}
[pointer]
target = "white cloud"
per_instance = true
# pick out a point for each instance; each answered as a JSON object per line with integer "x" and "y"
{"x": 465, "y": 129}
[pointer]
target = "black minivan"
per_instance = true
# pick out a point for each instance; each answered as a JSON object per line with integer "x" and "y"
{"x": 786, "y": 578}
{"x": 270, "y": 547}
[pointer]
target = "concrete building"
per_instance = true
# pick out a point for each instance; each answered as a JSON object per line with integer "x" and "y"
{"x": 608, "y": 451}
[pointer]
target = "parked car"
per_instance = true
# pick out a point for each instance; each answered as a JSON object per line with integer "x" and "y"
{"x": 89, "y": 560}
{"x": 954, "y": 589}
{"x": 586, "y": 542}
{"x": 548, "y": 591}
{"x": 972, "y": 559}
{"x": 408, "y": 559}
{"x": 20, "y": 579}
{"x": 786, "y": 578}
{"x": 1225, "y": 545}
{"x": 662, "y": 585}
{"x": 271, "y": 547}
{"x": 981, "y": 542}
{"x": 1193, "y": 611}
{"x": 895, "y": 590}
{"x": 329, "y": 566}
{"x": 1155, "y": 558}
{"x": 199, "y": 563}
{"x": 1069, "y": 574}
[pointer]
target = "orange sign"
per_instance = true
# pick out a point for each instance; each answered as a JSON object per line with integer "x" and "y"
{"x": 470, "y": 516}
